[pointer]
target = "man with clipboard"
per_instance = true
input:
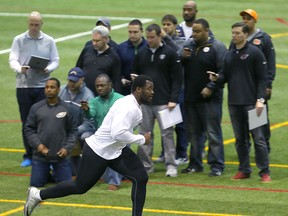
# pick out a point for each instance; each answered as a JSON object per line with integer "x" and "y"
{"x": 245, "y": 71}
{"x": 30, "y": 80}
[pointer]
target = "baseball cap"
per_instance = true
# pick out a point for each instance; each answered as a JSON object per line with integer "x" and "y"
{"x": 104, "y": 21}
{"x": 75, "y": 74}
{"x": 250, "y": 12}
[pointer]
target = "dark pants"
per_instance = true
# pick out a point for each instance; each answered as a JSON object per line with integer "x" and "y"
{"x": 91, "y": 170}
{"x": 40, "y": 172}
{"x": 205, "y": 117}
{"x": 267, "y": 131}
{"x": 181, "y": 136}
{"x": 239, "y": 119}
{"x": 26, "y": 97}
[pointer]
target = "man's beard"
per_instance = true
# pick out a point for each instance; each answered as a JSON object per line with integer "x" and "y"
{"x": 145, "y": 101}
{"x": 189, "y": 19}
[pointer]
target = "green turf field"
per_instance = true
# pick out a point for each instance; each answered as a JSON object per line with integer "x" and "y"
{"x": 195, "y": 194}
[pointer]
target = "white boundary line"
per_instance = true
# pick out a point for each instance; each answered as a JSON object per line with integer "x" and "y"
{"x": 77, "y": 35}
{"x": 65, "y": 16}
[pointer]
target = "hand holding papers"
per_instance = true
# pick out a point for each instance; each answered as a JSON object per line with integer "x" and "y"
{"x": 255, "y": 120}
{"x": 170, "y": 118}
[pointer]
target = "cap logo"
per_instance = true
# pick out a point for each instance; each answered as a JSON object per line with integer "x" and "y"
{"x": 73, "y": 72}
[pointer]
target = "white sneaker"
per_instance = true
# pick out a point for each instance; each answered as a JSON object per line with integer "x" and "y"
{"x": 171, "y": 172}
{"x": 180, "y": 161}
{"x": 32, "y": 201}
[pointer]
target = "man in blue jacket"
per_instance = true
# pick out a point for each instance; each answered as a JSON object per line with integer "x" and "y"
{"x": 127, "y": 51}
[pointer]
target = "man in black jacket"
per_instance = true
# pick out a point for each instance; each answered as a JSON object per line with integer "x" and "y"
{"x": 262, "y": 40}
{"x": 202, "y": 99}
{"x": 100, "y": 58}
{"x": 245, "y": 71}
{"x": 51, "y": 130}
{"x": 161, "y": 63}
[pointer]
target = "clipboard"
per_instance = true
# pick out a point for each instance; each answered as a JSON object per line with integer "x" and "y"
{"x": 38, "y": 62}
{"x": 169, "y": 118}
{"x": 257, "y": 121}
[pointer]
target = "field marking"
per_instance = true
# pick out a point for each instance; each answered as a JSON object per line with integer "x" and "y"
{"x": 12, "y": 211}
{"x": 271, "y": 190}
{"x": 284, "y": 166}
{"x": 66, "y": 16}
{"x": 12, "y": 150}
{"x": 80, "y": 34}
{"x": 279, "y": 35}
{"x": 282, "y": 66}
{"x": 120, "y": 208}
{"x": 282, "y": 21}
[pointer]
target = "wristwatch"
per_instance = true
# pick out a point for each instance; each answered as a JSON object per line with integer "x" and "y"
{"x": 262, "y": 100}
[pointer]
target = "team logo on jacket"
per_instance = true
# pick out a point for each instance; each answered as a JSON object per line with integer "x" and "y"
{"x": 206, "y": 49}
{"x": 244, "y": 56}
{"x": 256, "y": 41}
{"x": 61, "y": 115}
{"x": 162, "y": 56}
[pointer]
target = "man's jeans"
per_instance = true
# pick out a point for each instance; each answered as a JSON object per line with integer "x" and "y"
{"x": 205, "y": 118}
{"x": 40, "y": 172}
{"x": 112, "y": 177}
{"x": 239, "y": 119}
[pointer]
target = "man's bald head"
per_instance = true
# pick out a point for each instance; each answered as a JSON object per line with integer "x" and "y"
{"x": 191, "y": 4}
{"x": 35, "y": 15}
{"x": 189, "y": 12}
{"x": 34, "y": 24}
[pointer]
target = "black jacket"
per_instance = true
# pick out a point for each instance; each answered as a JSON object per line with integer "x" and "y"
{"x": 54, "y": 126}
{"x": 94, "y": 64}
{"x": 245, "y": 71}
{"x": 164, "y": 68}
{"x": 263, "y": 41}
{"x": 207, "y": 57}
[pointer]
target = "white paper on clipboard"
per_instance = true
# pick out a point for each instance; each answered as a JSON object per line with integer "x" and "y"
{"x": 257, "y": 121}
{"x": 170, "y": 118}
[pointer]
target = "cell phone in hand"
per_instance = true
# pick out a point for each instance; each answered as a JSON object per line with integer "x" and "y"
{"x": 187, "y": 49}
{"x": 134, "y": 75}
{"x": 128, "y": 82}
{"x": 212, "y": 73}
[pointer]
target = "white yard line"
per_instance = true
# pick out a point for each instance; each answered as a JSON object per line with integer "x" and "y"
{"x": 65, "y": 16}
{"x": 80, "y": 34}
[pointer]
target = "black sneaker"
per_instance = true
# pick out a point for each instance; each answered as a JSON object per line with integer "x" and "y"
{"x": 188, "y": 170}
{"x": 214, "y": 173}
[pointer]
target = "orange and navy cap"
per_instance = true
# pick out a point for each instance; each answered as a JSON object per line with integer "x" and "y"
{"x": 251, "y": 13}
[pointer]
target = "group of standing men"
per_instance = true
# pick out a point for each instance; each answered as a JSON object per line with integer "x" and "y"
{"x": 186, "y": 64}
